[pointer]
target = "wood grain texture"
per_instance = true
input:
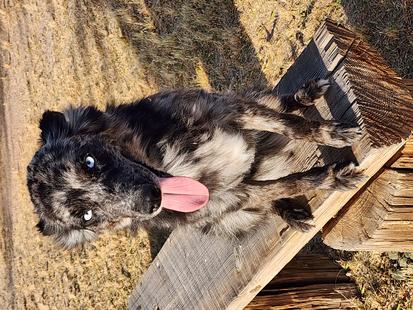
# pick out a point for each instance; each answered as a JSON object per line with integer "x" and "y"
{"x": 308, "y": 269}
{"x": 381, "y": 218}
{"x": 316, "y": 296}
{"x": 384, "y": 101}
{"x": 405, "y": 161}
{"x": 194, "y": 271}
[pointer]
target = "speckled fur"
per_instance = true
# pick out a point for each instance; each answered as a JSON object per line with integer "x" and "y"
{"x": 223, "y": 140}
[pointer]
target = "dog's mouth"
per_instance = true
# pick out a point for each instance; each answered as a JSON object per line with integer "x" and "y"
{"x": 182, "y": 194}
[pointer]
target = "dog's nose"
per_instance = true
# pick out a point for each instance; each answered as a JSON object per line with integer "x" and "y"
{"x": 152, "y": 198}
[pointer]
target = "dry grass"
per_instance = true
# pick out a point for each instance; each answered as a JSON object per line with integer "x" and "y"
{"x": 385, "y": 280}
{"x": 59, "y": 52}
{"x": 388, "y": 26}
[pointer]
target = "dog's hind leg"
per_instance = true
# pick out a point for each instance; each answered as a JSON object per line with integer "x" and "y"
{"x": 333, "y": 177}
{"x": 302, "y": 98}
{"x": 262, "y": 118}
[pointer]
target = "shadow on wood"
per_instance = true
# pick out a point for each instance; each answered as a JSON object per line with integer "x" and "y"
{"x": 309, "y": 281}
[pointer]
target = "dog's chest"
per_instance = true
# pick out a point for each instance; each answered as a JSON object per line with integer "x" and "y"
{"x": 218, "y": 157}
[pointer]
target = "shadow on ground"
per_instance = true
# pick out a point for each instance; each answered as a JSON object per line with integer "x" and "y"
{"x": 181, "y": 42}
{"x": 187, "y": 44}
{"x": 388, "y": 26}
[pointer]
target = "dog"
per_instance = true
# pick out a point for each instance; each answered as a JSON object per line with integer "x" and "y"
{"x": 181, "y": 158}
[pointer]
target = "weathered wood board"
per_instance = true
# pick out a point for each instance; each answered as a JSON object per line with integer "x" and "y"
{"x": 195, "y": 271}
{"x": 317, "y": 296}
{"x": 381, "y": 218}
{"x": 309, "y": 281}
{"x": 405, "y": 161}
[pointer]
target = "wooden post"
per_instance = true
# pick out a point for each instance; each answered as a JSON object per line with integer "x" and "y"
{"x": 196, "y": 271}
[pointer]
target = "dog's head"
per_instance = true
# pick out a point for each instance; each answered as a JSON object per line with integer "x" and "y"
{"x": 81, "y": 184}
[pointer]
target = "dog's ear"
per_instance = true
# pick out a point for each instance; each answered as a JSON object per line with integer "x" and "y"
{"x": 43, "y": 228}
{"x": 86, "y": 120}
{"x": 40, "y": 226}
{"x": 53, "y": 126}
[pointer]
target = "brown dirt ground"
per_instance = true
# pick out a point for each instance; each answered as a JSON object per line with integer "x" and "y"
{"x": 56, "y": 52}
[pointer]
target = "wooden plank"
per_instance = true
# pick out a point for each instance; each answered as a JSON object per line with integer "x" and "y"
{"x": 371, "y": 79}
{"x": 409, "y": 84}
{"x": 310, "y": 280}
{"x": 307, "y": 269}
{"x": 405, "y": 161}
{"x": 380, "y": 219}
{"x": 195, "y": 271}
{"x": 383, "y": 213}
{"x": 318, "y": 296}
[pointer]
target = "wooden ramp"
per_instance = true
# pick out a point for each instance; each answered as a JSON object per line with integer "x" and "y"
{"x": 194, "y": 271}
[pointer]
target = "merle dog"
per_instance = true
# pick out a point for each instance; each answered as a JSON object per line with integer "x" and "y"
{"x": 185, "y": 157}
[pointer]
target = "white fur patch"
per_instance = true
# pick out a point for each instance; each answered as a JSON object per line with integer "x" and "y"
{"x": 72, "y": 179}
{"x": 123, "y": 223}
{"x": 219, "y": 203}
{"x": 58, "y": 198}
{"x": 324, "y": 84}
{"x": 94, "y": 189}
{"x": 75, "y": 237}
{"x": 225, "y": 153}
{"x": 235, "y": 222}
{"x": 279, "y": 165}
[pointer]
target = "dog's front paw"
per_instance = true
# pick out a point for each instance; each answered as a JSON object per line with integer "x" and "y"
{"x": 311, "y": 91}
{"x": 297, "y": 216}
{"x": 337, "y": 134}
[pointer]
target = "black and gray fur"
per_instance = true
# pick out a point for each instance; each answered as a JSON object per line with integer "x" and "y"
{"x": 221, "y": 139}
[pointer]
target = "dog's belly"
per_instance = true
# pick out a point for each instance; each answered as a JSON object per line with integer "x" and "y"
{"x": 219, "y": 160}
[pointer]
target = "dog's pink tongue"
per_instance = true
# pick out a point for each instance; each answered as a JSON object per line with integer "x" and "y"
{"x": 183, "y": 194}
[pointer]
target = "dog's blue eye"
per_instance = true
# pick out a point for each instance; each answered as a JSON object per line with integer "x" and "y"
{"x": 88, "y": 215}
{"x": 90, "y": 162}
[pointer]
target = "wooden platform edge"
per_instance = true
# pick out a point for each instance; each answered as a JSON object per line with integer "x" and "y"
{"x": 380, "y": 218}
{"x": 372, "y": 165}
{"x": 309, "y": 281}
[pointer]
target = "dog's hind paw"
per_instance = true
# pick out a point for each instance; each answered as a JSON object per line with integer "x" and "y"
{"x": 337, "y": 134}
{"x": 348, "y": 177}
{"x": 341, "y": 177}
{"x": 311, "y": 91}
